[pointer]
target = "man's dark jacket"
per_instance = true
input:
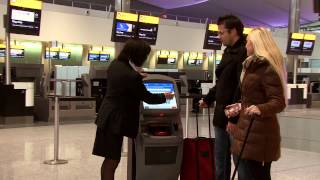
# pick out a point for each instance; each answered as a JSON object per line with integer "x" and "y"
{"x": 226, "y": 91}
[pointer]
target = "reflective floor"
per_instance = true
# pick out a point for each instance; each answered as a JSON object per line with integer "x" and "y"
{"x": 23, "y": 150}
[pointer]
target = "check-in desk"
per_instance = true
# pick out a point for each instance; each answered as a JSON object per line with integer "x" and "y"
{"x": 74, "y": 108}
{"x": 17, "y": 103}
{"x": 297, "y": 93}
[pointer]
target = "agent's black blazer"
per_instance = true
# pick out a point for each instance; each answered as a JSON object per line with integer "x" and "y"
{"x": 119, "y": 111}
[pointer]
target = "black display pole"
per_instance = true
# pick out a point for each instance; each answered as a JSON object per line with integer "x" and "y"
{"x": 214, "y": 67}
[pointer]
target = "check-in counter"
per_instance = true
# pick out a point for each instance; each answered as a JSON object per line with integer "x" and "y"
{"x": 297, "y": 93}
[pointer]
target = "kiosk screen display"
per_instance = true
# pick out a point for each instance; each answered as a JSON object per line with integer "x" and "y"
{"x": 157, "y": 88}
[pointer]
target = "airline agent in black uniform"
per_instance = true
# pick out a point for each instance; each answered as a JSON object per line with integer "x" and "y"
{"x": 119, "y": 112}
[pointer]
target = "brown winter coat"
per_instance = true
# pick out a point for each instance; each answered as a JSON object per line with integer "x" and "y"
{"x": 261, "y": 86}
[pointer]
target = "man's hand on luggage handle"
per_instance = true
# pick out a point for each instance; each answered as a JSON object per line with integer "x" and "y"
{"x": 202, "y": 103}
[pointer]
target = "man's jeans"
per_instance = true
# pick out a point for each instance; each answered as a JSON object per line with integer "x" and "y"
{"x": 222, "y": 154}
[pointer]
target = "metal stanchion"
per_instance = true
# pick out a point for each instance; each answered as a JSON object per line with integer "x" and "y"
{"x": 56, "y": 159}
{"x": 187, "y": 116}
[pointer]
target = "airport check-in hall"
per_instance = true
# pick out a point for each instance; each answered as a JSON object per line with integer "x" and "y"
{"x": 159, "y": 90}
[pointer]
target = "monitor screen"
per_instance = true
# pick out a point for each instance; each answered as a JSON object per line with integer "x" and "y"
{"x": 162, "y": 60}
{"x": 64, "y": 55}
{"x": 25, "y": 20}
{"x": 93, "y": 57}
{"x": 123, "y": 31}
{"x": 148, "y": 32}
{"x": 294, "y": 47}
{"x": 54, "y": 55}
{"x": 195, "y": 62}
{"x": 199, "y": 62}
{"x": 2, "y": 52}
{"x": 17, "y": 53}
{"x": 171, "y": 60}
{"x": 192, "y": 62}
{"x": 307, "y": 47}
{"x": 104, "y": 57}
{"x": 212, "y": 40}
{"x": 156, "y": 88}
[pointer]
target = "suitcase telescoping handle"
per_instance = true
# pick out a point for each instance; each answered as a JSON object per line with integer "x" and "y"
{"x": 209, "y": 121}
{"x": 242, "y": 148}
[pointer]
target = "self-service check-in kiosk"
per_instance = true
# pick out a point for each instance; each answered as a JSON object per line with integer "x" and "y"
{"x": 158, "y": 147}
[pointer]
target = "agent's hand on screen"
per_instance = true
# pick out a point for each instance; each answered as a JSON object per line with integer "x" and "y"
{"x": 144, "y": 75}
{"x": 232, "y": 110}
{"x": 169, "y": 95}
{"x": 203, "y": 104}
{"x": 252, "y": 110}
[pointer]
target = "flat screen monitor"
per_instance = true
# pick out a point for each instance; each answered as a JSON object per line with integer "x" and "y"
{"x": 17, "y": 53}
{"x": 307, "y": 47}
{"x": 24, "y": 20}
{"x": 148, "y": 28}
{"x": 171, "y": 61}
{"x": 54, "y": 55}
{"x": 104, "y": 57}
{"x": 212, "y": 40}
{"x": 123, "y": 31}
{"x": 294, "y": 46}
{"x": 2, "y": 52}
{"x": 148, "y": 32}
{"x": 157, "y": 88}
{"x": 162, "y": 60}
{"x": 195, "y": 62}
{"x": 64, "y": 55}
{"x": 93, "y": 57}
{"x": 295, "y": 43}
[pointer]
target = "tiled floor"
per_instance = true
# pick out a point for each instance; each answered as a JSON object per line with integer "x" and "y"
{"x": 23, "y": 150}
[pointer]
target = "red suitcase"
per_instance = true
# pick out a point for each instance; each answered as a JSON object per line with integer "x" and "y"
{"x": 198, "y": 157}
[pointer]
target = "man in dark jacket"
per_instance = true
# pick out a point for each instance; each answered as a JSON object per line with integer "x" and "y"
{"x": 226, "y": 90}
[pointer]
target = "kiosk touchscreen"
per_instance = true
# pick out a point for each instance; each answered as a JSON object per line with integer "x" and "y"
{"x": 158, "y": 88}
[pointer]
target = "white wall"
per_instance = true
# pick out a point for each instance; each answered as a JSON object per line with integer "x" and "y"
{"x": 96, "y": 29}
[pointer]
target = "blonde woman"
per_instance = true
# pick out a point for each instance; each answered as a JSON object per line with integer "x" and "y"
{"x": 263, "y": 95}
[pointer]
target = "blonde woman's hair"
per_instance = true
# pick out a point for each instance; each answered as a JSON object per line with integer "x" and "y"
{"x": 265, "y": 46}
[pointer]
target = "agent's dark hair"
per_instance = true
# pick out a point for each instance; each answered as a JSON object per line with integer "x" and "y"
{"x": 136, "y": 51}
{"x": 232, "y": 22}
